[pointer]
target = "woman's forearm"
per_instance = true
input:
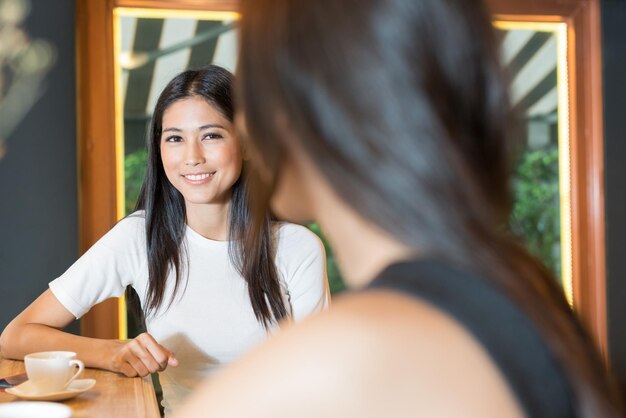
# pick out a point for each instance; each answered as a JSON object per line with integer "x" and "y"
{"x": 17, "y": 340}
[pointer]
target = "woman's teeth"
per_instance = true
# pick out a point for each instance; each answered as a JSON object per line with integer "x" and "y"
{"x": 196, "y": 177}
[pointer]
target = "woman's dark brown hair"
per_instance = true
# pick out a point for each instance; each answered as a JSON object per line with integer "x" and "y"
{"x": 403, "y": 108}
{"x": 165, "y": 217}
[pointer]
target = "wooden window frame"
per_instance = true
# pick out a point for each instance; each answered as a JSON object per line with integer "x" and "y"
{"x": 586, "y": 147}
{"x": 97, "y": 131}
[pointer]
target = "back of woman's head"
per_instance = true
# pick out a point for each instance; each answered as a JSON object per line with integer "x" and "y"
{"x": 399, "y": 103}
{"x": 402, "y": 107}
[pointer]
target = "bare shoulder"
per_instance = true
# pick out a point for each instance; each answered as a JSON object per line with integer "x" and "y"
{"x": 373, "y": 354}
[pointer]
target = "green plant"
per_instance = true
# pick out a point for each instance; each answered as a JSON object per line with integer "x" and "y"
{"x": 134, "y": 173}
{"x": 536, "y": 209}
{"x": 334, "y": 276}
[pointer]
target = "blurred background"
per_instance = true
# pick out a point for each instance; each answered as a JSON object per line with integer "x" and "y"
{"x": 54, "y": 199}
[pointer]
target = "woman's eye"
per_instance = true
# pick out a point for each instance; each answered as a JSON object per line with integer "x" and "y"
{"x": 173, "y": 138}
{"x": 212, "y": 136}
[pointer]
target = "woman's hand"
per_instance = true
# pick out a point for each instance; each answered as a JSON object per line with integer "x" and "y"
{"x": 38, "y": 328}
{"x": 142, "y": 356}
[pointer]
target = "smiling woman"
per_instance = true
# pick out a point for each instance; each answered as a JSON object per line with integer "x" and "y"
{"x": 205, "y": 295}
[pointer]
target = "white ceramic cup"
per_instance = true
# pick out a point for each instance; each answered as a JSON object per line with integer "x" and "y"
{"x": 52, "y": 371}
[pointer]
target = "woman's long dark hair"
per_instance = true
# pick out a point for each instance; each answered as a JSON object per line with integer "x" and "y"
{"x": 402, "y": 106}
{"x": 165, "y": 217}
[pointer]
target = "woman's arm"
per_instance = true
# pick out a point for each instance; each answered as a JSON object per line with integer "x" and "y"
{"x": 104, "y": 271}
{"x": 38, "y": 328}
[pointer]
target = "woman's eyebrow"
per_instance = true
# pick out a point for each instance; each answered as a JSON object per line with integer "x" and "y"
{"x": 211, "y": 125}
{"x": 201, "y": 128}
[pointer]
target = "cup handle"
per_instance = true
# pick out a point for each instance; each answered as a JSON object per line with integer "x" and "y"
{"x": 81, "y": 367}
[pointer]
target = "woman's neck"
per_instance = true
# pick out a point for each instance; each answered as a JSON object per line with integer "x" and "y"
{"x": 209, "y": 220}
{"x": 362, "y": 249}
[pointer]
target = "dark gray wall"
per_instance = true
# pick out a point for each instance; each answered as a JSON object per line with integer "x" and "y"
{"x": 38, "y": 189}
{"x": 614, "y": 80}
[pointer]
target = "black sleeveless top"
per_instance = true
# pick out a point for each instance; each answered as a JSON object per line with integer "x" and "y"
{"x": 504, "y": 331}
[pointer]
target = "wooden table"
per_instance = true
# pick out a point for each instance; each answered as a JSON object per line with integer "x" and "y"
{"x": 113, "y": 395}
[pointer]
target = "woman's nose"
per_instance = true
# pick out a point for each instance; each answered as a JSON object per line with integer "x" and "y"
{"x": 193, "y": 153}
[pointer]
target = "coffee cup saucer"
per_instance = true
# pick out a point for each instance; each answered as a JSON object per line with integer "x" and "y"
{"x": 27, "y": 391}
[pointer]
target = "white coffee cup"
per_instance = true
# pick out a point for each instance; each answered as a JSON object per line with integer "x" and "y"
{"x": 52, "y": 371}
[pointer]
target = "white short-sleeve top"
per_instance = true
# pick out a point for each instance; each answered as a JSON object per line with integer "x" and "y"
{"x": 211, "y": 321}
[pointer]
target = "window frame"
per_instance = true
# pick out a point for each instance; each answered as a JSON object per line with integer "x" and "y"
{"x": 98, "y": 159}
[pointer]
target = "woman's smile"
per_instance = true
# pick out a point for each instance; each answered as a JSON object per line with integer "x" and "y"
{"x": 198, "y": 178}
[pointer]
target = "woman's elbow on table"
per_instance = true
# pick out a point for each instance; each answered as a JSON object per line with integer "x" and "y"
{"x": 8, "y": 341}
